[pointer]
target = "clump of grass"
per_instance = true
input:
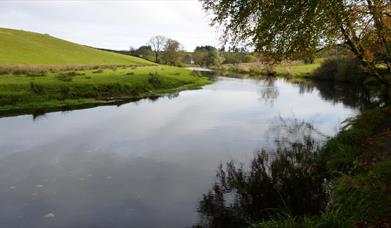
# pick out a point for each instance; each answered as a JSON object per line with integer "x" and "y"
{"x": 64, "y": 92}
{"x": 36, "y": 88}
{"x": 68, "y": 76}
{"x": 154, "y": 80}
{"x": 36, "y": 74}
{"x": 97, "y": 71}
{"x": 130, "y": 73}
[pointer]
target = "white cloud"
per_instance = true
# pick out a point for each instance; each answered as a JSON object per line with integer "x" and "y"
{"x": 112, "y": 24}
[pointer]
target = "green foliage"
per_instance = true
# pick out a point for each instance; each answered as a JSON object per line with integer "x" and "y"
{"x": 172, "y": 53}
{"x": 207, "y": 56}
{"x": 21, "y": 47}
{"x": 283, "y": 30}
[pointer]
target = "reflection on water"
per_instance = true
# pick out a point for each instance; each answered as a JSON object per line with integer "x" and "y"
{"x": 286, "y": 180}
{"x": 145, "y": 163}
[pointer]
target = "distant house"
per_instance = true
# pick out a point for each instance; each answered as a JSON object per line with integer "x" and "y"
{"x": 188, "y": 59}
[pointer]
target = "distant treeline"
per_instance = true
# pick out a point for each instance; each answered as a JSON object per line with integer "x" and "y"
{"x": 164, "y": 50}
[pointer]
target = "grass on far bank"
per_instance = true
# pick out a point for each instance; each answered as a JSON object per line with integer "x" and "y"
{"x": 95, "y": 86}
{"x": 291, "y": 70}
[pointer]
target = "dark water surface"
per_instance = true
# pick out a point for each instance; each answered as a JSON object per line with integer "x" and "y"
{"x": 146, "y": 164}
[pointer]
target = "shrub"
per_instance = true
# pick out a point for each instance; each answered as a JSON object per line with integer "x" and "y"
{"x": 341, "y": 69}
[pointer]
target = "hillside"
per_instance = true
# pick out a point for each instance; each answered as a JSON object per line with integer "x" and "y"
{"x": 22, "y": 47}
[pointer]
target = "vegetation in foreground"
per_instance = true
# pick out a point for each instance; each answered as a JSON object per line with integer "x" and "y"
{"x": 96, "y": 86}
{"x": 345, "y": 183}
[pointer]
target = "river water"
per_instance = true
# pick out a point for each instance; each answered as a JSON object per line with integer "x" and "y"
{"x": 147, "y": 163}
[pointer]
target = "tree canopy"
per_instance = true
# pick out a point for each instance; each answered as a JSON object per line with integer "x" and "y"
{"x": 284, "y": 29}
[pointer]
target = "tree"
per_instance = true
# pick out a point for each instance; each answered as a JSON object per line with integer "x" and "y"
{"x": 157, "y": 43}
{"x": 285, "y": 29}
{"x": 143, "y": 51}
{"x": 207, "y": 56}
{"x": 171, "y": 53}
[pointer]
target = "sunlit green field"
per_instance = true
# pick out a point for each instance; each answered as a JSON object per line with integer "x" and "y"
{"x": 22, "y": 47}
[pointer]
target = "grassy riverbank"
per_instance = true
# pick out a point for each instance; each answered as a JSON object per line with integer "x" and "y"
{"x": 51, "y": 90}
{"x": 293, "y": 70}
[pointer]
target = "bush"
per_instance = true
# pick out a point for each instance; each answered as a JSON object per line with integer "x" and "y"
{"x": 341, "y": 69}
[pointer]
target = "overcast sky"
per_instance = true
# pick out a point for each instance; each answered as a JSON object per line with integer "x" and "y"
{"x": 112, "y": 24}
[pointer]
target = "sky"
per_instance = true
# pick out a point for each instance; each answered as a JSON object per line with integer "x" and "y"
{"x": 112, "y": 24}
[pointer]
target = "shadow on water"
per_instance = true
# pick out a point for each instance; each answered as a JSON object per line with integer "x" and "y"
{"x": 351, "y": 95}
{"x": 284, "y": 180}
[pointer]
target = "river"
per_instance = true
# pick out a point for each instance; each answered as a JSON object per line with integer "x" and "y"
{"x": 147, "y": 163}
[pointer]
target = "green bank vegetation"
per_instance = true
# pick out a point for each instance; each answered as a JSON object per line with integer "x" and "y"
{"x": 258, "y": 69}
{"x": 57, "y": 89}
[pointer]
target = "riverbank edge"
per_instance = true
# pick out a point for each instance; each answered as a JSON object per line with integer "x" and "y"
{"x": 358, "y": 163}
{"x": 78, "y": 104}
{"x": 53, "y": 105}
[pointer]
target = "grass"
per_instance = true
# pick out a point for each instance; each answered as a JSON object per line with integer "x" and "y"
{"x": 297, "y": 70}
{"x": 291, "y": 70}
{"x": 22, "y": 47}
{"x": 25, "y": 93}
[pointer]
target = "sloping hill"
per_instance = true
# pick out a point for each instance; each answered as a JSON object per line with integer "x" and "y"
{"x": 22, "y": 47}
